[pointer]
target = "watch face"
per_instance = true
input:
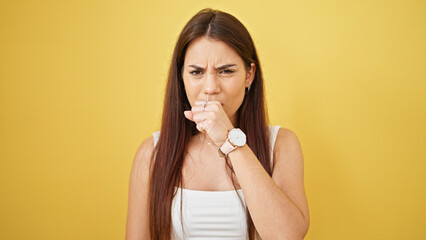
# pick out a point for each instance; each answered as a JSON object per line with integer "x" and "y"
{"x": 237, "y": 137}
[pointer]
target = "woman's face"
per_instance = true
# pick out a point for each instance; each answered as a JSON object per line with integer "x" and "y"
{"x": 213, "y": 70}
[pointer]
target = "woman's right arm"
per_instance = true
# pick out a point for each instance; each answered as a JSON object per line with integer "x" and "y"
{"x": 137, "y": 227}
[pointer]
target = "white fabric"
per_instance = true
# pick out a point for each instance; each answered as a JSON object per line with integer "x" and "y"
{"x": 211, "y": 215}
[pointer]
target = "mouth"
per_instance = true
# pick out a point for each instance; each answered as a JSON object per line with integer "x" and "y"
{"x": 211, "y": 100}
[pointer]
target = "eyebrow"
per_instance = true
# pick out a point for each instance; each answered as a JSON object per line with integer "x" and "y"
{"x": 218, "y": 68}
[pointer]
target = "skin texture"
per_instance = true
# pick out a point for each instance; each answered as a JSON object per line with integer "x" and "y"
{"x": 278, "y": 205}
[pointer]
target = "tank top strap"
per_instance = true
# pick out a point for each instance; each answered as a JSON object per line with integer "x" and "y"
{"x": 273, "y": 132}
{"x": 156, "y": 136}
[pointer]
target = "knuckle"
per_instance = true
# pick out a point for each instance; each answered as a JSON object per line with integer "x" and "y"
{"x": 196, "y": 117}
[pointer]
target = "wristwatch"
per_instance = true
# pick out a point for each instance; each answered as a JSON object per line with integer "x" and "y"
{"x": 236, "y": 138}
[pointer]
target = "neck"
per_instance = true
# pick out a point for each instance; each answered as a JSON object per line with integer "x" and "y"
{"x": 234, "y": 120}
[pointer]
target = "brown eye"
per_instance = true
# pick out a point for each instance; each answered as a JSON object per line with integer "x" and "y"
{"x": 227, "y": 71}
{"x": 195, "y": 73}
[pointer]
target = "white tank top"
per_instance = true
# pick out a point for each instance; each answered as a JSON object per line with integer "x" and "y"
{"x": 209, "y": 215}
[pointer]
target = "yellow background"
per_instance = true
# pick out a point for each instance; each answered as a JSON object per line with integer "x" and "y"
{"x": 82, "y": 84}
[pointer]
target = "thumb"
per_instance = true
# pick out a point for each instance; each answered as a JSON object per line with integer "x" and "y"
{"x": 189, "y": 115}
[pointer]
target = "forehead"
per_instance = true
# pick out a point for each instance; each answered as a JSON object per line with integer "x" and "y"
{"x": 207, "y": 51}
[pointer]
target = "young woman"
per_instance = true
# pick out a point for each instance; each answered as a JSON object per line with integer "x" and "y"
{"x": 216, "y": 170}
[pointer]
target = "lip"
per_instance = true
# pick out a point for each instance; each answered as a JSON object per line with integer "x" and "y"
{"x": 210, "y": 100}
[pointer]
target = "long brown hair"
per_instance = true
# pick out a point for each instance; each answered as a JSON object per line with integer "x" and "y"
{"x": 176, "y": 130}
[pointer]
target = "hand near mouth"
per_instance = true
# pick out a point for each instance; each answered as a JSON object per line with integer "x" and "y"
{"x": 212, "y": 119}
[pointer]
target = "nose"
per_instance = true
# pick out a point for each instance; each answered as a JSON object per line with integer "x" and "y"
{"x": 211, "y": 84}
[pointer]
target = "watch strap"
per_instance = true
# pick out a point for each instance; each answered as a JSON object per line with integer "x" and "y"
{"x": 227, "y": 147}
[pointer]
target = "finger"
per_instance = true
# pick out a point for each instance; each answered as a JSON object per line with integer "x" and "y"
{"x": 200, "y": 126}
{"x": 209, "y": 108}
{"x": 208, "y": 102}
{"x": 206, "y": 108}
{"x": 200, "y": 103}
{"x": 200, "y": 116}
{"x": 211, "y": 105}
{"x": 198, "y": 108}
{"x": 189, "y": 115}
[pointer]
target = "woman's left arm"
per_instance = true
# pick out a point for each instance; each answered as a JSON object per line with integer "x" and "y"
{"x": 277, "y": 205}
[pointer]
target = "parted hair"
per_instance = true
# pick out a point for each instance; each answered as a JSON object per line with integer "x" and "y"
{"x": 176, "y": 131}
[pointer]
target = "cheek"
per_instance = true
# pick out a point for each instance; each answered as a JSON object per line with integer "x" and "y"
{"x": 236, "y": 97}
{"x": 191, "y": 90}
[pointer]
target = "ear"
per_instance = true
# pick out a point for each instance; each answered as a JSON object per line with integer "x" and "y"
{"x": 250, "y": 75}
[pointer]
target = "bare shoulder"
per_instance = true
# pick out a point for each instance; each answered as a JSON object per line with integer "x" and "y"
{"x": 287, "y": 146}
{"x": 142, "y": 159}
{"x": 146, "y": 147}
{"x": 288, "y": 158}
{"x": 138, "y": 209}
